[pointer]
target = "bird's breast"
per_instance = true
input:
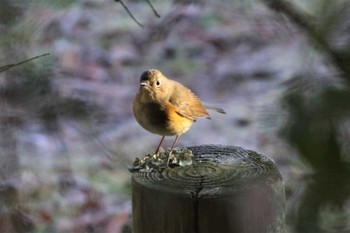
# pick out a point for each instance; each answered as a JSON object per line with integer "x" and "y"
{"x": 160, "y": 119}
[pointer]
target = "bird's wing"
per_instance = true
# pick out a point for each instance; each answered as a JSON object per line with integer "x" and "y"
{"x": 186, "y": 103}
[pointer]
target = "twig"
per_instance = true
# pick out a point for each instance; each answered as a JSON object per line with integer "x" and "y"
{"x": 3, "y": 68}
{"x": 154, "y": 10}
{"x": 130, "y": 14}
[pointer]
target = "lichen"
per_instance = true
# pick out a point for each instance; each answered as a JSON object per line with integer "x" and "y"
{"x": 154, "y": 162}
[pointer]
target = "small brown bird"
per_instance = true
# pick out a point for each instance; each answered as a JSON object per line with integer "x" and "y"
{"x": 166, "y": 107}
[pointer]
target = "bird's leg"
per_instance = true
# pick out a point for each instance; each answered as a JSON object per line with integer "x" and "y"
{"x": 172, "y": 147}
{"x": 157, "y": 150}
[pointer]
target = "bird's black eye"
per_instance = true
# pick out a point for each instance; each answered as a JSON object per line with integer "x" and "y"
{"x": 158, "y": 83}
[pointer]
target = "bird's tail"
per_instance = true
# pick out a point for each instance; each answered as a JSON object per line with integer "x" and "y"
{"x": 219, "y": 110}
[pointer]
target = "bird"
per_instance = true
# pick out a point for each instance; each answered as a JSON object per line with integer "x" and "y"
{"x": 166, "y": 107}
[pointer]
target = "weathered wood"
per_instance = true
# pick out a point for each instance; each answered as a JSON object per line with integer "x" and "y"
{"x": 226, "y": 189}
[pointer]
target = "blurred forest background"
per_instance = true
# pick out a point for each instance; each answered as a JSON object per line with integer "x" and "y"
{"x": 280, "y": 69}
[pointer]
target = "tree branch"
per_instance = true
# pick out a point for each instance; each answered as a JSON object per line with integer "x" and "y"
{"x": 307, "y": 23}
{"x": 6, "y": 67}
{"x": 129, "y": 12}
{"x": 154, "y": 10}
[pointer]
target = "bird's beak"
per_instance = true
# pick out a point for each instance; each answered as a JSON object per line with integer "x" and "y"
{"x": 144, "y": 84}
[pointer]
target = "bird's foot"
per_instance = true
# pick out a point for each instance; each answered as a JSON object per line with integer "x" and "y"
{"x": 170, "y": 159}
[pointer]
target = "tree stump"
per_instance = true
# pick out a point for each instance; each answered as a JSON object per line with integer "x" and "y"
{"x": 226, "y": 189}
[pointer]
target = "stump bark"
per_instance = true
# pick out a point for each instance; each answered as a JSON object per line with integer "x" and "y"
{"x": 227, "y": 189}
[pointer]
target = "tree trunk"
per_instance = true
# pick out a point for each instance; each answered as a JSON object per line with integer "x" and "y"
{"x": 226, "y": 189}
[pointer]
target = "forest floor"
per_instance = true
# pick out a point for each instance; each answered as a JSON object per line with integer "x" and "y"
{"x": 236, "y": 56}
